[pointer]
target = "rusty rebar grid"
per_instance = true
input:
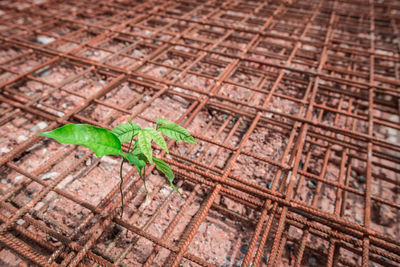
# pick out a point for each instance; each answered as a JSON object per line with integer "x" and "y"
{"x": 295, "y": 106}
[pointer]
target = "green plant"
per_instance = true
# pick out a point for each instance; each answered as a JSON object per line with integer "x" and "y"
{"x": 105, "y": 142}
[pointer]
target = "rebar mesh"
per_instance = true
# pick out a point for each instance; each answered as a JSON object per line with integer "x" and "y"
{"x": 295, "y": 106}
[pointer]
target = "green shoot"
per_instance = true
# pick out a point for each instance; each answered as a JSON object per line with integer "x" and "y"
{"x": 105, "y": 142}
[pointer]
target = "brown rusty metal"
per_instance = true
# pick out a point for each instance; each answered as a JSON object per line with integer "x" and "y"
{"x": 334, "y": 65}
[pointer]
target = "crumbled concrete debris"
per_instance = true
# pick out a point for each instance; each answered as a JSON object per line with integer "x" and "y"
{"x": 18, "y": 178}
{"x": 4, "y": 150}
{"x": 48, "y": 176}
{"x": 22, "y": 138}
{"x": 40, "y": 126}
{"x": 44, "y": 39}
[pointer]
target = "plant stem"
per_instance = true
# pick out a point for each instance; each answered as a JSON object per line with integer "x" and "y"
{"x": 130, "y": 144}
{"x": 120, "y": 187}
{"x": 122, "y": 179}
{"x": 144, "y": 180}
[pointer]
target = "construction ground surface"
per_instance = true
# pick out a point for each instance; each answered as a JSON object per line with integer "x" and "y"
{"x": 294, "y": 104}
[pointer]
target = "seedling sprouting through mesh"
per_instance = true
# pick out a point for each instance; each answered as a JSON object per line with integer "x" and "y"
{"x": 105, "y": 142}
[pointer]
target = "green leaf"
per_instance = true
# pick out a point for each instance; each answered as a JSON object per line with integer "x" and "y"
{"x": 139, "y": 170}
{"x": 161, "y": 121}
{"x": 136, "y": 149}
{"x": 144, "y": 139}
{"x": 139, "y": 162}
{"x": 163, "y": 167}
{"x": 143, "y": 158}
{"x": 176, "y": 132}
{"x": 158, "y": 138}
{"x": 134, "y": 159}
{"x": 125, "y": 132}
{"x": 101, "y": 141}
